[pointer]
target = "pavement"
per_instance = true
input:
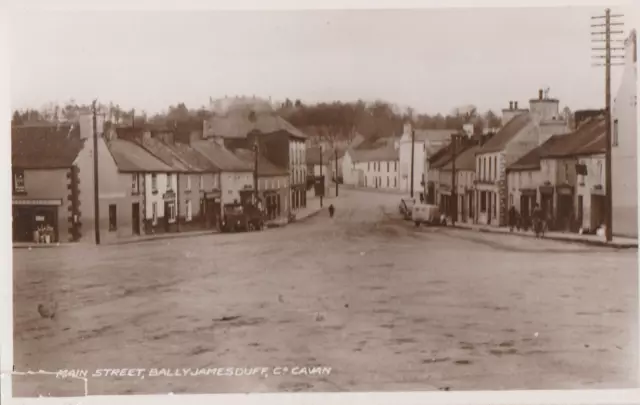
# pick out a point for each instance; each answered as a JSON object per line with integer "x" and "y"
{"x": 376, "y": 303}
{"x": 618, "y": 242}
{"x": 312, "y": 208}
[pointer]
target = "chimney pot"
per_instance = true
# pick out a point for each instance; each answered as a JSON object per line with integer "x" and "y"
{"x": 511, "y": 105}
{"x": 540, "y": 94}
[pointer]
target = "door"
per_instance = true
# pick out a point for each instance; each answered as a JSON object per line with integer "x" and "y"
{"x": 565, "y": 212}
{"x": 580, "y": 211}
{"x": 135, "y": 218}
{"x": 489, "y": 207}
{"x": 167, "y": 207}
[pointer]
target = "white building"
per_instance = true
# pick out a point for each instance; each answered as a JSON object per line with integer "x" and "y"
{"x": 624, "y": 147}
{"x": 426, "y": 142}
{"x": 373, "y": 168}
{"x": 521, "y": 133}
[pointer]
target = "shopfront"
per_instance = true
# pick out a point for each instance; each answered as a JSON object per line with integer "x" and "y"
{"x": 37, "y": 220}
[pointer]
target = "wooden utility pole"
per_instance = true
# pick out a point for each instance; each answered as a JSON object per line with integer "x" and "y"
{"x": 336, "y": 157}
{"x": 454, "y": 194}
{"x": 413, "y": 144}
{"x": 96, "y": 188}
{"x": 256, "y": 152}
{"x": 321, "y": 179}
{"x": 607, "y": 64}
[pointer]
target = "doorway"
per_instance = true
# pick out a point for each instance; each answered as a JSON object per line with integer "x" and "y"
{"x": 565, "y": 212}
{"x": 598, "y": 211}
{"x": 135, "y": 218}
{"x": 489, "y": 207}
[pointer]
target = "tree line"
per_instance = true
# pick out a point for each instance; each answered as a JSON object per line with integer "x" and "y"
{"x": 336, "y": 120}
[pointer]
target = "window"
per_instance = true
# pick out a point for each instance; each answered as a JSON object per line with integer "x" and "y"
{"x": 154, "y": 213}
{"x": 395, "y": 182}
{"x": 113, "y": 225}
{"x": 483, "y": 201}
{"x": 188, "y": 185}
{"x": 495, "y": 168}
{"x": 489, "y": 176}
{"x": 395, "y": 166}
{"x": 387, "y": 182}
{"x": 511, "y": 200}
{"x": 169, "y": 181}
{"x": 484, "y": 168}
{"x": 202, "y": 182}
{"x": 368, "y": 166}
{"x": 188, "y": 213}
{"x": 615, "y": 132}
{"x": 135, "y": 186}
{"x": 154, "y": 183}
{"x": 387, "y": 167}
{"x": 18, "y": 181}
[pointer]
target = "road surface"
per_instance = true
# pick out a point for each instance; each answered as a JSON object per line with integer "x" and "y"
{"x": 374, "y": 302}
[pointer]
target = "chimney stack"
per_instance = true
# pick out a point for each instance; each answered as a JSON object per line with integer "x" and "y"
{"x": 515, "y": 105}
{"x": 540, "y": 94}
{"x": 510, "y": 105}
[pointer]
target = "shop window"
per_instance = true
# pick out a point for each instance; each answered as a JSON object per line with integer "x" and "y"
{"x": 113, "y": 224}
{"x": 154, "y": 213}
{"x": 18, "y": 181}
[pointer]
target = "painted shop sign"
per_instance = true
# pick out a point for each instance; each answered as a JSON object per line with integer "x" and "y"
{"x": 38, "y": 202}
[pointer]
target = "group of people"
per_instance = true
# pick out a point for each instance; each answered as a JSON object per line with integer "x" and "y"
{"x": 538, "y": 220}
{"x": 43, "y": 234}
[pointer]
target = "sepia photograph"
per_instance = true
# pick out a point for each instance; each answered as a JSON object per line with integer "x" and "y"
{"x": 323, "y": 200}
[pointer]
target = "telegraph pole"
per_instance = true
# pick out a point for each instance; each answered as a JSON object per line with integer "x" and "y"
{"x": 336, "y": 157}
{"x": 321, "y": 179}
{"x": 607, "y": 64}
{"x": 454, "y": 194}
{"x": 96, "y": 189}
{"x": 256, "y": 150}
{"x": 413, "y": 144}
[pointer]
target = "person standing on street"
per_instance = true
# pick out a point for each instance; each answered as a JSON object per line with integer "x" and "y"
{"x": 512, "y": 218}
{"x": 331, "y": 210}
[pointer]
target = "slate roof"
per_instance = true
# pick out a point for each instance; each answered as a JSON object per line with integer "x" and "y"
{"x": 130, "y": 157}
{"x": 570, "y": 144}
{"x": 464, "y": 161}
{"x": 45, "y": 147}
{"x": 237, "y": 124}
{"x": 221, "y": 157}
{"x": 382, "y": 154}
{"x": 160, "y": 150}
{"x": 265, "y": 167}
{"x": 192, "y": 157}
{"x": 590, "y": 138}
{"x": 435, "y": 135}
{"x": 531, "y": 160}
{"x": 498, "y": 141}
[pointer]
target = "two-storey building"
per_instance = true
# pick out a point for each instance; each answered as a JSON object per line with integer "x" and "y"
{"x": 624, "y": 153}
{"x": 45, "y": 182}
{"x": 522, "y": 133}
{"x": 465, "y": 172}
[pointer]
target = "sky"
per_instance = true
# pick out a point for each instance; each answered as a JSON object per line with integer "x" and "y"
{"x": 430, "y": 59}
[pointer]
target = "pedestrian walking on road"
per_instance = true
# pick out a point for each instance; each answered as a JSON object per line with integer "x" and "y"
{"x": 538, "y": 221}
{"x": 331, "y": 210}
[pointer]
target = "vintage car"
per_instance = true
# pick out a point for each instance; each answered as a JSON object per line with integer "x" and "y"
{"x": 427, "y": 214}
{"x": 237, "y": 217}
{"x": 406, "y": 207}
